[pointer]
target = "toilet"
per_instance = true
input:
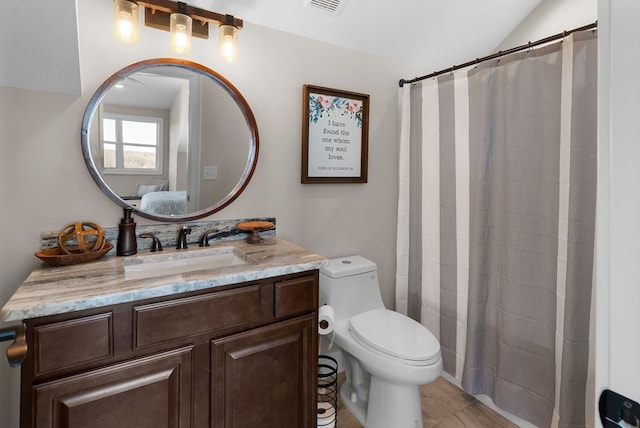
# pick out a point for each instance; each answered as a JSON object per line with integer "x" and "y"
{"x": 386, "y": 355}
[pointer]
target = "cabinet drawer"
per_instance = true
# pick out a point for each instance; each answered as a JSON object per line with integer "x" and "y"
{"x": 70, "y": 343}
{"x": 161, "y": 322}
{"x": 295, "y": 296}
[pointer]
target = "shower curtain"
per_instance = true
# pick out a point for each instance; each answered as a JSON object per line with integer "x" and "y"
{"x": 496, "y": 222}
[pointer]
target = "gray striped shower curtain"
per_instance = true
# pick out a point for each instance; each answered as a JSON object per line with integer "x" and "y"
{"x": 496, "y": 224}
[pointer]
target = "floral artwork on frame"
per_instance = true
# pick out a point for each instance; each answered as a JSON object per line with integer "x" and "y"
{"x": 334, "y": 136}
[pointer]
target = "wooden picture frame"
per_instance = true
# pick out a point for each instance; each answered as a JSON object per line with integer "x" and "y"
{"x": 335, "y": 135}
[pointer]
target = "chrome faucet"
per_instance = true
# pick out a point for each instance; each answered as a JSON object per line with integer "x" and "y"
{"x": 182, "y": 237}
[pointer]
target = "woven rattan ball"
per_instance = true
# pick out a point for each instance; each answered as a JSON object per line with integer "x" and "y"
{"x": 81, "y": 237}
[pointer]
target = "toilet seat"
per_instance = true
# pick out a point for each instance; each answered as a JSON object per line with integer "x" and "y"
{"x": 396, "y": 336}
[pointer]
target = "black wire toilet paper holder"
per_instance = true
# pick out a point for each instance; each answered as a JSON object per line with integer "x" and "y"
{"x": 327, "y": 408}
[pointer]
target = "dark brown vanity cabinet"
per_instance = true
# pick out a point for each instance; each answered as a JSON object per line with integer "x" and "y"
{"x": 240, "y": 356}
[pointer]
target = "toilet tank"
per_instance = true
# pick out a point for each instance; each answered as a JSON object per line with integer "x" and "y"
{"x": 350, "y": 286}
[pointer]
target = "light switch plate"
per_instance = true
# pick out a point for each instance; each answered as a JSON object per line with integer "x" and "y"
{"x": 210, "y": 173}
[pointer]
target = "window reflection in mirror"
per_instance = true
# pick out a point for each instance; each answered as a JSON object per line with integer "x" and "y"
{"x": 132, "y": 144}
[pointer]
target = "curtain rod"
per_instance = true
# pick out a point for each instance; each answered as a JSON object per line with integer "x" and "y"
{"x": 500, "y": 54}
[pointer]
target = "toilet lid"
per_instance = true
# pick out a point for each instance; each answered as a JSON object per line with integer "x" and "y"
{"x": 397, "y": 335}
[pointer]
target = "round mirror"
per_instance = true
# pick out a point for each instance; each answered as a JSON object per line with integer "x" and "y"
{"x": 170, "y": 138}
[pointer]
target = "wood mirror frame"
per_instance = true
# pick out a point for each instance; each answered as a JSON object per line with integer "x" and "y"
{"x": 218, "y": 79}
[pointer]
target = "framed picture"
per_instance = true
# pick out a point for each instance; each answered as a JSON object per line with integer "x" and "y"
{"x": 335, "y": 134}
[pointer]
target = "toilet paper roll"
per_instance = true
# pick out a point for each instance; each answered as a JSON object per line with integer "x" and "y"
{"x": 326, "y": 415}
{"x": 326, "y": 319}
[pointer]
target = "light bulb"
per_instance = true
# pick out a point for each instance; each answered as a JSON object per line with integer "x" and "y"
{"x": 125, "y": 21}
{"x": 180, "y": 32}
{"x": 228, "y": 42}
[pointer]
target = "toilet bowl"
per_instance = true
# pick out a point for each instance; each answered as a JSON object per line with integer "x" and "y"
{"x": 386, "y": 355}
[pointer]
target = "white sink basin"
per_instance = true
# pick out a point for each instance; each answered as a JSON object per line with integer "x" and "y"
{"x": 178, "y": 262}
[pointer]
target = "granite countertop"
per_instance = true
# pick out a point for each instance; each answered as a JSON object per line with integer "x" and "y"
{"x": 56, "y": 290}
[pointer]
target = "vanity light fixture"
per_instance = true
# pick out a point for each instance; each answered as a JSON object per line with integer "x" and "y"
{"x": 181, "y": 20}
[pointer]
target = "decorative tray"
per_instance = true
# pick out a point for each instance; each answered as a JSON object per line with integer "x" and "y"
{"x": 55, "y": 256}
{"x": 254, "y": 227}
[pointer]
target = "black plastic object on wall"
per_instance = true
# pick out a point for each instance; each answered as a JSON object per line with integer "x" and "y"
{"x": 618, "y": 411}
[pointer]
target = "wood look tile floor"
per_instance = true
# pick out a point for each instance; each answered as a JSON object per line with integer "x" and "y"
{"x": 443, "y": 406}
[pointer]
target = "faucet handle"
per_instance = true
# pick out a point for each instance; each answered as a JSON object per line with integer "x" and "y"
{"x": 156, "y": 245}
{"x": 204, "y": 238}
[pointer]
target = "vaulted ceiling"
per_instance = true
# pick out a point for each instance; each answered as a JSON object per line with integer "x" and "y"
{"x": 427, "y": 33}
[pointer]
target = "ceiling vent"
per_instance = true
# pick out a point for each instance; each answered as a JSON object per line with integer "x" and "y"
{"x": 333, "y": 7}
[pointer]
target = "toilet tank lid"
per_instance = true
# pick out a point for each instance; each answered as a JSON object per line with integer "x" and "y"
{"x": 347, "y": 266}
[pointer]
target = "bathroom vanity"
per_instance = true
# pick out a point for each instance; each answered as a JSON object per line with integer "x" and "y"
{"x": 230, "y": 346}
{"x": 220, "y": 336}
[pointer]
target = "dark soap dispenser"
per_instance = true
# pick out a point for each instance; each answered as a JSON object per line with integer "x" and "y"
{"x": 127, "y": 244}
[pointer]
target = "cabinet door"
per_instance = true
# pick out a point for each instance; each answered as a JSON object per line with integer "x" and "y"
{"x": 266, "y": 377}
{"x": 149, "y": 392}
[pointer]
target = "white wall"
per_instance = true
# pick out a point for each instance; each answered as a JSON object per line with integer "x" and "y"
{"x": 552, "y": 17}
{"x": 59, "y": 20}
{"x": 45, "y": 185}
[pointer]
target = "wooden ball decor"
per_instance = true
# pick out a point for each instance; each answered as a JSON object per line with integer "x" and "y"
{"x": 81, "y": 237}
{"x": 80, "y": 242}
